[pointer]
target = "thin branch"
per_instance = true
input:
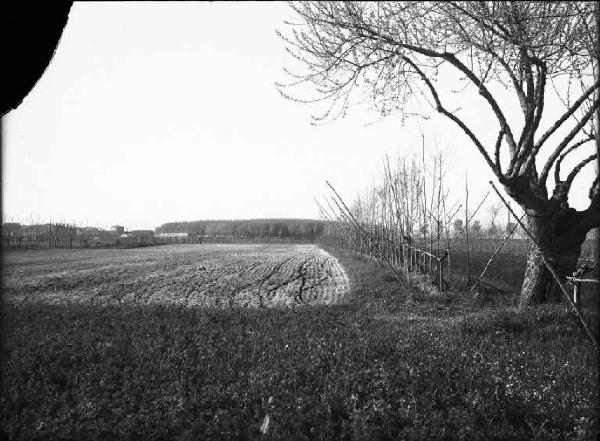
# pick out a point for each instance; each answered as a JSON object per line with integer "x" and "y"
{"x": 562, "y": 156}
{"x": 565, "y": 142}
{"x": 579, "y": 167}
{"x": 452, "y": 59}
{"x": 564, "y": 117}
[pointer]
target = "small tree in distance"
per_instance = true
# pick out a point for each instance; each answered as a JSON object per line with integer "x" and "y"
{"x": 493, "y": 230}
{"x": 458, "y": 226}
{"x": 396, "y": 50}
{"x": 475, "y": 228}
{"x": 494, "y": 211}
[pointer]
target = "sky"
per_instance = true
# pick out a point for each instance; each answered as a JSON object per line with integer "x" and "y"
{"x": 154, "y": 112}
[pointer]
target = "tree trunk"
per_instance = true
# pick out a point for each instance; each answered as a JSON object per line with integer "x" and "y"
{"x": 560, "y": 238}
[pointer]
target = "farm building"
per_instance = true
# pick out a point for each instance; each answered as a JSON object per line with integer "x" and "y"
{"x": 178, "y": 237}
{"x": 141, "y": 233}
{"x": 138, "y": 236}
{"x": 119, "y": 229}
{"x": 173, "y": 235}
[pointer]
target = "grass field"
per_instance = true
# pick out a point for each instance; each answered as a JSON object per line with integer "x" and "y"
{"x": 505, "y": 272}
{"x": 505, "y": 275}
{"x": 376, "y": 364}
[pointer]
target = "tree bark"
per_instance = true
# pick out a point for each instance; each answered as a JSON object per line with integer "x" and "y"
{"x": 560, "y": 237}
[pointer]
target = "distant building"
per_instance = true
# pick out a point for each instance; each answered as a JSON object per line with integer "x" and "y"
{"x": 141, "y": 233}
{"x": 172, "y": 235}
{"x": 119, "y": 229}
{"x": 141, "y": 236}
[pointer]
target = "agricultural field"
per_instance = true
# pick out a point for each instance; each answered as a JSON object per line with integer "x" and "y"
{"x": 193, "y": 275}
{"x": 90, "y": 360}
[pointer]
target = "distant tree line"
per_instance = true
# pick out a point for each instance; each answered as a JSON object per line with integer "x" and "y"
{"x": 250, "y": 229}
{"x": 65, "y": 235}
{"x": 50, "y": 234}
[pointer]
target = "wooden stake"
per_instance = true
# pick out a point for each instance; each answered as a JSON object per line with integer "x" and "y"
{"x": 492, "y": 257}
{"x": 467, "y": 230}
{"x": 377, "y": 248}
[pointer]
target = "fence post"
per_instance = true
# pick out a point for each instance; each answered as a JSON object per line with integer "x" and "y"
{"x": 467, "y": 230}
{"x": 576, "y": 298}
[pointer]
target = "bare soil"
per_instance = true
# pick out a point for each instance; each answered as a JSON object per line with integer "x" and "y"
{"x": 210, "y": 275}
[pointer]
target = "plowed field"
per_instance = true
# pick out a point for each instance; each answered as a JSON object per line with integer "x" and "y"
{"x": 195, "y": 275}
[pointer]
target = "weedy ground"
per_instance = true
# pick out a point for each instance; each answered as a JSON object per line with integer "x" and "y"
{"x": 388, "y": 363}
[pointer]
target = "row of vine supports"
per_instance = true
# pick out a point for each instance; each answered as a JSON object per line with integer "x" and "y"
{"x": 404, "y": 223}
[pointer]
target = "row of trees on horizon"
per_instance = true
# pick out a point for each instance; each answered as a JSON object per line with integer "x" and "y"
{"x": 61, "y": 234}
{"x": 248, "y": 228}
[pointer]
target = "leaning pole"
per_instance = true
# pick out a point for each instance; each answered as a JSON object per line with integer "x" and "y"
{"x": 596, "y": 61}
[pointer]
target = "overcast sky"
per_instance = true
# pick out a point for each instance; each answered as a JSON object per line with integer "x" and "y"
{"x": 155, "y": 112}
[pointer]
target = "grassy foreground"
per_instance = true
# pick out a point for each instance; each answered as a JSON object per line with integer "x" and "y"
{"x": 382, "y": 366}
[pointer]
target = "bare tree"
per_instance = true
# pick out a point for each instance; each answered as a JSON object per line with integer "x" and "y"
{"x": 394, "y": 51}
{"x": 494, "y": 210}
{"x": 475, "y": 227}
{"x": 458, "y": 225}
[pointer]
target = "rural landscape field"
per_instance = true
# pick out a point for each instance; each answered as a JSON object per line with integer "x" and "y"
{"x": 315, "y": 220}
{"x": 210, "y": 275}
{"x": 126, "y": 344}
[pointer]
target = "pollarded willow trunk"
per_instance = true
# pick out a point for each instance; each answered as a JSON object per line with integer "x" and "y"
{"x": 560, "y": 238}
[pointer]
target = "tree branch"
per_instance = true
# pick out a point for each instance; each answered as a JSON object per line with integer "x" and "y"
{"x": 493, "y": 53}
{"x": 485, "y": 93}
{"x": 441, "y": 109}
{"x": 578, "y": 168}
{"x": 563, "y": 144}
{"x": 532, "y": 118}
{"x": 562, "y": 156}
{"x": 452, "y": 59}
{"x": 497, "y": 149}
{"x": 563, "y": 118}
